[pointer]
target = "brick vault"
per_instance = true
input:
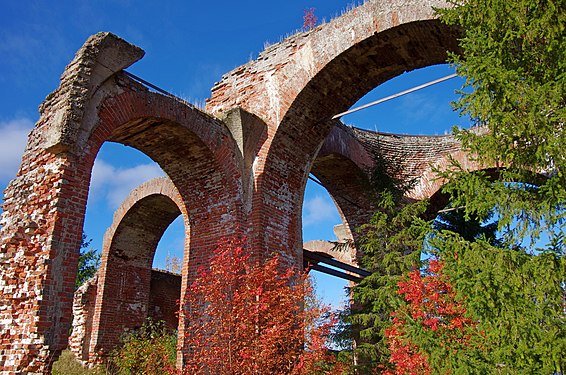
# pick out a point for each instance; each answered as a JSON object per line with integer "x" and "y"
{"x": 238, "y": 169}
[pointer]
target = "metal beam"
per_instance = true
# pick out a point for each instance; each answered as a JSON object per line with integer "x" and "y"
{"x": 333, "y": 272}
{"x": 309, "y": 255}
{"x": 395, "y": 96}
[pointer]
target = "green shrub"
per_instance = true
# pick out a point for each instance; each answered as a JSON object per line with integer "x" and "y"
{"x": 149, "y": 350}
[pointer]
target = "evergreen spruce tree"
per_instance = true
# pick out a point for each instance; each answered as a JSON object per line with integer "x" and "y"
{"x": 454, "y": 221}
{"x": 513, "y": 58}
{"x": 391, "y": 245}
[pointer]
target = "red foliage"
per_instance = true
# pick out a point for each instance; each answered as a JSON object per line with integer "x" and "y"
{"x": 431, "y": 305}
{"x": 252, "y": 320}
{"x": 309, "y": 19}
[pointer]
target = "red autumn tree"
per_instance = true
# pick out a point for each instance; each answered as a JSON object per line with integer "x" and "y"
{"x": 429, "y": 331}
{"x": 309, "y": 19}
{"x": 255, "y": 320}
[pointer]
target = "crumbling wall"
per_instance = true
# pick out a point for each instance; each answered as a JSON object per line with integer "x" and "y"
{"x": 43, "y": 213}
{"x": 83, "y": 311}
{"x": 163, "y": 305}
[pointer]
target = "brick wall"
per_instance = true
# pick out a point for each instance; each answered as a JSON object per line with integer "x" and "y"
{"x": 125, "y": 276}
{"x": 83, "y": 312}
{"x": 164, "y": 295}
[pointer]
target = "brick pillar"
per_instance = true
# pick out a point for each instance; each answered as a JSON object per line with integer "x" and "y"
{"x": 40, "y": 240}
{"x": 83, "y": 311}
{"x": 44, "y": 211}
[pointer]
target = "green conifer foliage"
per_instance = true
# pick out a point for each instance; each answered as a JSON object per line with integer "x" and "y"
{"x": 514, "y": 59}
{"x": 516, "y": 297}
{"x": 513, "y": 56}
{"x": 391, "y": 246}
{"x": 89, "y": 261}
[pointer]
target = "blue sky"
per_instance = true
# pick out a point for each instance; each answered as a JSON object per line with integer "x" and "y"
{"x": 188, "y": 45}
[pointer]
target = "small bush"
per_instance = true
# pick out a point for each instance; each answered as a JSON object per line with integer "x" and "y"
{"x": 68, "y": 365}
{"x": 149, "y": 350}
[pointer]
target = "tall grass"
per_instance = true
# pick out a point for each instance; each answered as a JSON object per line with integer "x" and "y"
{"x": 68, "y": 365}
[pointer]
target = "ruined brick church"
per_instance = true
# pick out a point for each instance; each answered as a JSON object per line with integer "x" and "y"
{"x": 236, "y": 170}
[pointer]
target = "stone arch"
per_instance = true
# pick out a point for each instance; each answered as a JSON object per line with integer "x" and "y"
{"x": 306, "y": 110}
{"x": 348, "y": 156}
{"x": 125, "y": 273}
{"x": 198, "y": 154}
{"x": 44, "y": 210}
{"x": 342, "y": 166}
{"x": 299, "y": 84}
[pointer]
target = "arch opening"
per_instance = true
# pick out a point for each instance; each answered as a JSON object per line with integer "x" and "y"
{"x": 337, "y": 86}
{"x": 425, "y": 112}
{"x": 199, "y": 190}
{"x": 338, "y": 188}
{"x": 320, "y": 216}
{"x": 117, "y": 170}
{"x": 129, "y": 290}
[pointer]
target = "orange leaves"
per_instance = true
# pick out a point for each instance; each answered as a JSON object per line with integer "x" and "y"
{"x": 432, "y": 298}
{"x": 248, "y": 318}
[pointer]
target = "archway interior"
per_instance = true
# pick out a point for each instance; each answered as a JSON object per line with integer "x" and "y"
{"x": 117, "y": 170}
{"x": 136, "y": 237}
{"x": 165, "y": 287}
{"x": 424, "y": 112}
{"x": 320, "y": 215}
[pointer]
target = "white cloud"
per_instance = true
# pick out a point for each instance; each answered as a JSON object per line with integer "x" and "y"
{"x": 420, "y": 106}
{"x": 427, "y": 113}
{"x": 319, "y": 210}
{"x": 31, "y": 54}
{"x": 13, "y": 139}
{"x": 113, "y": 184}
